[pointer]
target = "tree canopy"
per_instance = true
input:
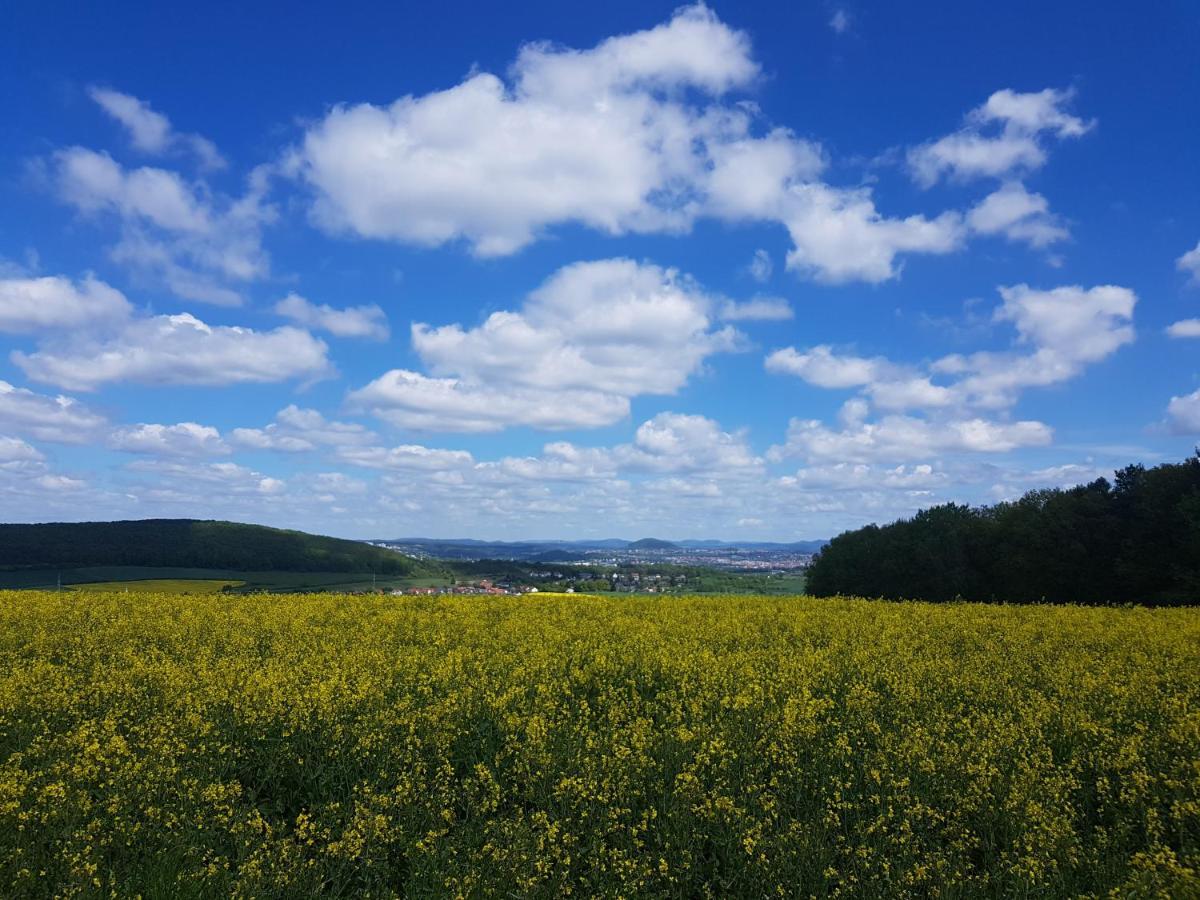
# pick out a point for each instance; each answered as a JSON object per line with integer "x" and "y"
{"x": 1134, "y": 539}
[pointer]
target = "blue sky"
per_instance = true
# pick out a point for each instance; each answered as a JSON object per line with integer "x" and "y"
{"x": 739, "y": 271}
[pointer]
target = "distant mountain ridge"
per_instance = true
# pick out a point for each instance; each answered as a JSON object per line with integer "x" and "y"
{"x": 192, "y": 543}
{"x": 564, "y": 551}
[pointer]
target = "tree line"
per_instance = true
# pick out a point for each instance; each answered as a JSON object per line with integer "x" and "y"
{"x": 191, "y": 543}
{"x": 1135, "y": 539}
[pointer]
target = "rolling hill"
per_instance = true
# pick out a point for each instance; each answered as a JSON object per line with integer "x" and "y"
{"x": 192, "y": 543}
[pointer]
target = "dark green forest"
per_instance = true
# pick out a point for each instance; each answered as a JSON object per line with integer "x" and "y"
{"x": 191, "y": 543}
{"x": 1135, "y": 539}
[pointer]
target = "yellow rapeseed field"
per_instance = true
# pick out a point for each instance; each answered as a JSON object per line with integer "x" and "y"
{"x": 301, "y": 746}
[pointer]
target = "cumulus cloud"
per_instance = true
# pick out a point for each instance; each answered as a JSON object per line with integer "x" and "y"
{"x": 897, "y": 437}
{"x": 1059, "y": 333}
{"x": 59, "y": 419}
{"x": 669, "y": 443}
{"x": 674, "y": 442}
{"x": 197, "y": 242}
{"x": 1185, "y": 328}
{"x": 183, "y": 439}
{"x": 1004, "y": 135}
{"x": 633, "y": 135}
{"x": 151, "y": 131}
{"x": 297, "y": 430}
{"x": 1183, "y": 413}
{"x": 225, "y": 476}
{"x": 590, "y": 338}
{"x": 29, "y": 305}
{"x": 839, "y": 236}
{"x": 411, "y": 400}
{"x": 406, "y": 456}
{"x": 822, "y": 367}
{"x": 596, "y": 136}
{"x": 368, "y": 321}
{"x": 1018, "y": 215}
{"x": 1189, "y": 263}
{"x": 1067, "y": 328}
{"x": 843, "y": 476}
{"x": 176, "y": 350}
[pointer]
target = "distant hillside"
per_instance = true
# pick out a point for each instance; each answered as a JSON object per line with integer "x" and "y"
{"x": 652, "y": 544}
{"x": 191, "y": 543}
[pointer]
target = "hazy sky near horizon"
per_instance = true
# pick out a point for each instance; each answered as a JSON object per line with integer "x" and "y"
{"x": 747, "y": 271}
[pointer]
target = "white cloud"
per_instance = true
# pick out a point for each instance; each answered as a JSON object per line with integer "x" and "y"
{"x": 93, "y": 182}
{"x": 757, "y": 309}
{"x": 1015, "y": 483}
{"x": 406, "y": 456}
{"x": 1065, "y": 329}
{"x": 673, "y": 442}
{"x": 1016, "y": 121}
{"x": 840, "y": 21}
{"x": 888, "y": 385}
{"x": 224, "y": 476}
{"x": 904, "y": 391}
{"x": 19, "y": 457}
{"x": 604, "y": 137}
{"x": 590, "y": 338}
{"x": 669, "y": 443}
{"x": 336, "y": 483}
{"x": 411, "y": 400}
{"x": 178, "y": 349}
{"x": 41, "y": 304}
{"x": 1079, "y": 324}
{"x": 297, "y": 430}
{"x": 560, "y": 461}
{"x": 859, "y": 476}
{"x": 895, "y": 438}
{"x": 183, "y": 439}
{"x": 1018, "y": 215}
{"x": 196, "y": 242}
{"x": 60, "y": 483}
{"x": 839, "y": 235}
{"x": 1183, "y": 413}
{"x": 354, "y": 321}
{"x": 600, "y": 136}
{"x": 151, "y": 131}
{"x": 822, "y": 367}
{"x": 59, "y": 419}
{"x": 761, "y": 267}
{"x": 750, "y": 176}
{"x": 1190, "y": 263}
{"x": 1185, "y": 328}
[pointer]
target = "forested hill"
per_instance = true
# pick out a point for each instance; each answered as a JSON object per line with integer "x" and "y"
{"x": 1134, "y": 540}
{"x": 191, "y": 543}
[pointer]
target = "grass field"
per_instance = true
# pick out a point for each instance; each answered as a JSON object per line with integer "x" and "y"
{"x": 303, "y": 746}
{"x": 161, "y": 586}
{"x": 122, "y": 577}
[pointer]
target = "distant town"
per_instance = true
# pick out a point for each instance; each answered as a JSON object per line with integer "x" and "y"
{"x": 728, "y": 556}
{"x": 648, "y": 566}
